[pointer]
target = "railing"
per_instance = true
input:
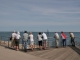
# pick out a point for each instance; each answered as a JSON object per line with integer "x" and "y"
{"x": 50, "y": 42}
{"x": 77, "y": 42}
{"x": 6, "y": 41}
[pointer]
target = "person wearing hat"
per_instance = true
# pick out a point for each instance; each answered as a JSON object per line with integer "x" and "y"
{"x": 17, "y": 40}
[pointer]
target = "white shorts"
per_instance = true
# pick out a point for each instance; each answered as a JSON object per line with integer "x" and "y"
{"x": 31, "y": 42}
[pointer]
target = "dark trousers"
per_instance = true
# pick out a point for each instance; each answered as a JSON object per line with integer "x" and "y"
{"x": 72, "y": 42}
{"x": 64, "y": 42}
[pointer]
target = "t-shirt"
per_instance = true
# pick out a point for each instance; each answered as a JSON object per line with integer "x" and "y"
{"x": 31, "y": 37}
{"x": 25, "y": 36}
{"x": 63, "y": 36}
{"x": 72, "y": 35}
{"x": 56, "y": 36}
{"x": 18, "y": 36}
{"x": 44, "y": 36}
{"x": 13, "y": 35}
{"x": 39, "y": 37}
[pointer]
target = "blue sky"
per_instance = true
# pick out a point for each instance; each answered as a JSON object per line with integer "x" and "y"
{"x": 40, "y": 15}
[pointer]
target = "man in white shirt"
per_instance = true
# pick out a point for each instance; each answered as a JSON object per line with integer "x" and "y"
{"x": 44, "y": 36}
{"x": 72, "y": 38}
{"x": 56, "y": 36}
{"x": 13, "y": 37}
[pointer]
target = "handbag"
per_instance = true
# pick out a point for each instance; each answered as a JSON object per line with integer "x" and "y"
{"x": 10, "y": 38}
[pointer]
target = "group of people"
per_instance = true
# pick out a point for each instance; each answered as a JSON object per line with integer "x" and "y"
{"x": 40, "y": 37}
{"x": 15, "y": 37}
{"x": 63, "y": 36}
{"x": 42, "y": 40}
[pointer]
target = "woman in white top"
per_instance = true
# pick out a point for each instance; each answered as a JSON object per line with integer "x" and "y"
{"x": 17, "y": 40}
{"x": 40, "y": 40}
{"x": 31, "y": 40}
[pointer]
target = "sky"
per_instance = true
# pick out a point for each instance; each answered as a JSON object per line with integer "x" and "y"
{"x": 40, "y": 15}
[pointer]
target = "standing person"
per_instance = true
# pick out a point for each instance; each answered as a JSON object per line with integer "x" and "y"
{"x": 56, "y": 36}
{"x": 31, "y": 37}
{"x": 44, "y": 40}
{"x": 40, "y": 40}
{"x": 72, "y": 38}
{"x": 63, "y": 35}
{"x": 17, "y": 40}
{"x": 13, "y": 36}
{"x": 25, "y": 40}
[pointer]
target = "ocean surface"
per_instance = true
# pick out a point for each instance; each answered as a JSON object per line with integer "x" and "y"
{"x": 51, "y": 40}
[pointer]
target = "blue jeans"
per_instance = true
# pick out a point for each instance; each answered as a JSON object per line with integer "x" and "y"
{"x": 64, "y": 42}
{"x": 25, "y": 44}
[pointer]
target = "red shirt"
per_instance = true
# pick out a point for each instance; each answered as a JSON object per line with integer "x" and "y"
{"x": 63, "y": 35}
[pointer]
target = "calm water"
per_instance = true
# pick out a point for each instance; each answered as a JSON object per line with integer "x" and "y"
{"x": 50, "y": 34}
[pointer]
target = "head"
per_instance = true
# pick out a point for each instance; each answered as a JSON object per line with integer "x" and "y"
{"x": 55, "y": 32}
{"x": 30, "y": 32}
{"x": 39, "y": 33}
{"x": 62, "y": 32}
{"x": 14, "y": 31}
{"x": 70, "y": 32}
{"x": 18, "y": 32}
{"x": 25, "y": 31}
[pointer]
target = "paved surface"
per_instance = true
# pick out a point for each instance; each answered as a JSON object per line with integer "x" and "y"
{"x": 68, "y": 53}
{"x": 9, "y": 54}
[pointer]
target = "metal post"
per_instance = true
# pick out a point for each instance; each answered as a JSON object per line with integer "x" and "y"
{"x": 22, "y": 44}
{"x": 8, "y": 43}
{"x": 0, "y": 39}
{"x": 48, "y": 37}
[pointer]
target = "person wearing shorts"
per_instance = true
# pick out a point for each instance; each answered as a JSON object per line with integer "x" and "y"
{"x": 31, "y": 41}
{"x": 44, "y": 36}
{"x": 17, "y": 40}
{"x": 40, "y": 40}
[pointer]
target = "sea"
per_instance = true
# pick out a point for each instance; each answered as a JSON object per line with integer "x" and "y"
{"x": 51, "y": 41}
